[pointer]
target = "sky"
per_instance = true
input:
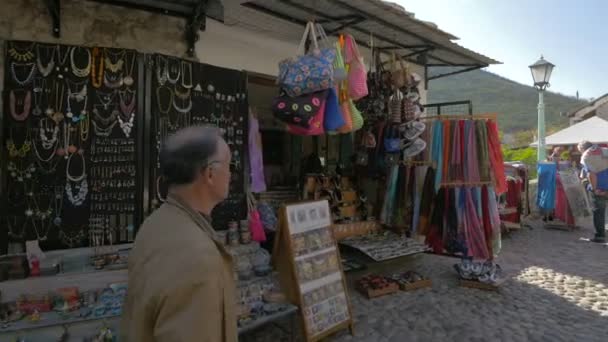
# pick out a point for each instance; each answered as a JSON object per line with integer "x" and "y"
{"x": 573, "y": 35}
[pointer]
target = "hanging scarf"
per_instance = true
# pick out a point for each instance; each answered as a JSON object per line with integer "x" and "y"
{"x": 451, "y": 227}
{"x": 471, "y": 164}
{"x": 496, "y": 160}
{"x": 426, "y": 201}
{"x": 435, "y": 232}
{"x": 495, "y": 221}
{"x": 419, "y": 176}
{"x": 437, "y": 152}
{"x": 456, "y": 161}
{"x": 386, "y": 216}
{"x": 482, "y": 150}
{"x": 487, "y": 221}
{"x": 256, "y": 160}
{"x": 476, "y": 243}
{"x": 446, "y": 150}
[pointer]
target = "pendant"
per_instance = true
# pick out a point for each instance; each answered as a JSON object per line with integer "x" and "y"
{"x": 37, "y": 111}
{"x": 128, "y": 80}
{"x": 57, "y": 221}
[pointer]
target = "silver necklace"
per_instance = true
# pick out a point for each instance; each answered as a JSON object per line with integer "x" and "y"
{"x": 47, "y": 69}
{"x": 104, "y": 120}
{"x": 58, "y": 205}
{"x": 43, "y": 129}
{"x": 176, "y": 69}
{"x": 106, "y": 99}
{"x": 161, "y": 74}
{"x": 126, "y": 126}
{"x": 30, "y": 75}
{"x": 83, "y": 187}
{"x": 183, "y": 110}
{"x": 186, "y": 70}
{"x": 112, "y": 84}
{"x": 39, "y": 90}
{"x": 103, "y": 131}
{"x": 62, "y": 61}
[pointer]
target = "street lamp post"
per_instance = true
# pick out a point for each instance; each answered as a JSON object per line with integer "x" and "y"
{"x": 541, "y": 73}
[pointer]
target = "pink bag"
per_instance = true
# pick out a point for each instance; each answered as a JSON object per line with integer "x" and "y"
{"x": 357, "y": 74}
{"x": 255, "y": 223}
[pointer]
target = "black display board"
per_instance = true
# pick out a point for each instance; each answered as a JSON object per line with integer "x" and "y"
{"x": 184, "y": 93}
{"x": 70, "y": 131}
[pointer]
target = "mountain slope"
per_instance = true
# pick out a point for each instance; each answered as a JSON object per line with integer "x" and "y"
{"x": 515, "y": 103}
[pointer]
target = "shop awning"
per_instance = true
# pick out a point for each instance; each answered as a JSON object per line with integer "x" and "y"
{"x": 393, "y": 29}
{"x": 593, "y": 129}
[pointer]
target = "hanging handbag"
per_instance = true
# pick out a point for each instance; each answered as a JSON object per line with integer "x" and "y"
{"x": 344, "y": 105}
{"x": 268, "y": 216}
{"x": 307, "y": 73}
{"x": 356, "y": 116}
{"x": 357, "y": 74}
{"x": 299, "y": 111}
{"x": 333, "y": 113}
{"x": 315, "y": 124}
{"x": 399, "y": 75}
{"x": 255, "y": 223}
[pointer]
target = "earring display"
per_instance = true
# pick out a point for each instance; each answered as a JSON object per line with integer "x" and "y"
{"x": 218, "y": 99}
{"x": 70, "y": 128}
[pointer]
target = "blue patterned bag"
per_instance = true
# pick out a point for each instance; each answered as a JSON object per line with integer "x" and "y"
{"x": 307, "y": 73}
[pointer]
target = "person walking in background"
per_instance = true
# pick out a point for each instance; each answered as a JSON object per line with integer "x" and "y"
{"x": 594, "y": 160}
{"x": 181, "y": 283}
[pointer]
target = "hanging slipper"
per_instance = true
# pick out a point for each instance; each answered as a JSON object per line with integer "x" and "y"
{"x": 412, "y": 130}
{"x": 414, "y": 149}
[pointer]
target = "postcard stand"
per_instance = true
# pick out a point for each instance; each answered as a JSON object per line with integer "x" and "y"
{"x": 307, "y": 258}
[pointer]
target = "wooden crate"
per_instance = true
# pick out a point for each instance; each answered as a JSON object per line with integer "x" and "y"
{"x": 420, "y": 284}
{"x": 371, "y": 293}
{"x": 473, "y": 284}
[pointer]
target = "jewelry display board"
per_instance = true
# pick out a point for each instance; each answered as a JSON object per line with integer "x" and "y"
{"x": 310, "y": 269}
{"x": 184, "y": 93}
{"x": 70, "y": 130}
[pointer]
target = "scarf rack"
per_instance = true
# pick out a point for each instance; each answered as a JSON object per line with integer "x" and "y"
{"x": 485, "y": 116}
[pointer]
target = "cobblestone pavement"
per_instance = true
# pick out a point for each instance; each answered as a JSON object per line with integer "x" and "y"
{"x": 557, "y": 290}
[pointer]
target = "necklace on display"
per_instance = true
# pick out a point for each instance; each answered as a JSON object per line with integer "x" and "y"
{"x": 97, "y": 67}
{"x": 12, "y": 229}
{"x": 158, "y": 100}
{"x": 127, "y": 101}
{"x": 78, "y": 95}
{"x": 110, "y": 64}
{"x": 81, "y": 182}
{"x": 39, "y": 91}
{"x": 175, "y": 69}
{"x": 77, "y": 71}
{"x": 21, "y": 55}
{"x": 162, "y": 69}
{"x": 84, "y": 125}
{"x": 23, "y": 150}
{"x": 72, "y": 240}
{"x": 46, "y": 69}
{"x": 128, "y": 80}
{"x": 45, "y": 214}
{"x": 61, "y": 67}
{"x": 186, "y": 70}
{"x": 56, "y": 114}
{"x": 185, "y": 95}
{"x": 23, "y": 66}
{"x": 106, "y": 99}
{"x": 79, "y": 98}
{"x": 112, "y": 81}
{"x": 126, "y": 125}
{"x": 45, "y": 126}
{"x": 19, "y": 174}
{"x": 103, "y": 131}
{"x": 101, "y": 119}
{"x": 183, "y": 110}
{"x": 58, "y": 204}
{"x": 25, "y": 103}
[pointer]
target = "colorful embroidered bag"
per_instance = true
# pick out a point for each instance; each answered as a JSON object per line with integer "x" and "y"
{"x": 307, "y": 73}
{"x": 316, "y": 122}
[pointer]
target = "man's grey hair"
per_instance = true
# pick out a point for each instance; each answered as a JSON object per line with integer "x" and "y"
{"x": 186, "y": 152}
{"x": 585, "y": 145}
